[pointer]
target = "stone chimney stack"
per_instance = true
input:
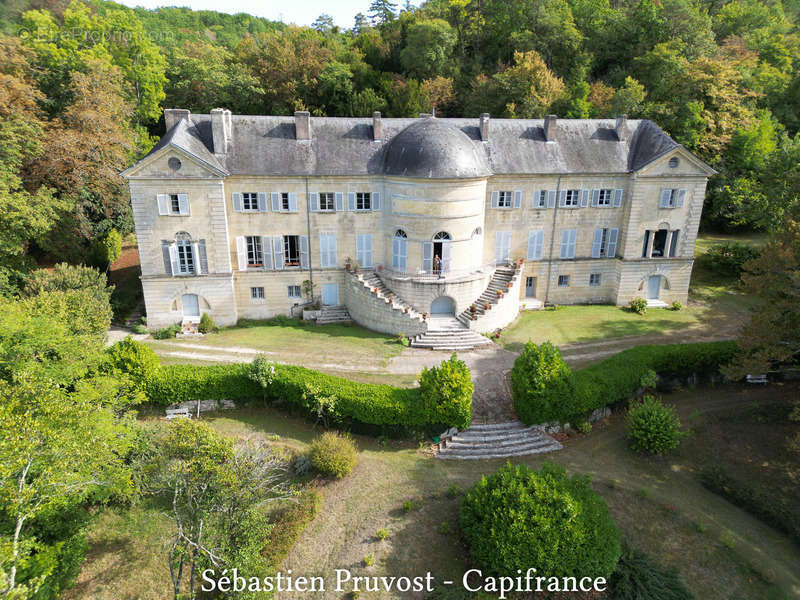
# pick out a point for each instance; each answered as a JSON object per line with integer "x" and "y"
{"x": 622, "y": 128}
{"x": 484, "y": 126}
{"x": 551, "y": 128}
{"x": 172, "y": 116}
{"x": 302, "y": 125}
{"x": 377, "y": 127}
{"x": 221, "y": 130}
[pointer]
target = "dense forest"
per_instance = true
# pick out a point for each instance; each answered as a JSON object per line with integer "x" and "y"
{"x": 84, "y": 84}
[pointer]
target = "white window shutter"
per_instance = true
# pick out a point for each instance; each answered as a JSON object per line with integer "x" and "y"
{"x": 573, "y": 237}
{"x": 333, "y": 259}
{"x": 613, "y": 235}
{"x": 376, "y": 200}
{"x": 237, "y": 202}
{"x": 666, "y": 195}
{"x": 167, "y": 258}
{"x": 597, "y": 243}
{"x": 617, "y": 198}
{"x": 241, "y": 252}
{"x": 351, "y": 200}
{"x": 163, "y": 204}
{"x": 183, "y": 203}
{"x": 303, "y": 251}
{"x": 595, "y": 197}
{"x": 495, "y": 199}
{"x": 537, "y": 253}
{"x": 681, "y": 197}
{"x": 517, "y": 199}
{"x": 275, "y": 198}
{"x": 499, "y": 246}
{"x": 562, "y": 199}
{"x": 173, "y": 258}
{"x": 339, "y": 196}
{"x": 584, "y": 198}
{"x": 447, "y": 255}
{"x": 313, "y": 202}
{"x": 531, "y": 255}
{"x": 196, "y": 258}
{"x": 368, "y": 249}
{"x": 266, "y": 251}
{"x": 292, "y": 202}
{"x": 277, "y": 252}
{"x": 202, "y": 260}
{"x": 262, "y": 201}
{"x": 535, "y": 199}
{"x": 427, "y": 256}
{"x": 551, "y": 199}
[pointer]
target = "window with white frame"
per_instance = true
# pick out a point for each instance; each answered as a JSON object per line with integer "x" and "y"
{"x": 363, "y": 201}
{"x": 672, "y": 198}
{"x": 400, "y": 251}
{"x": 255, "y": 257}
{"x": 594, "y": 279}
{"x": 539, "y": 199}
{"x": 185, "y": 254}
{"x": 327, "y": 245}
{"x": 249, "y": 201}
{"x": 604, "y": 243}
{"x": 285, "y": 203}
{"x": 294, "y": 291}
{"x": 568, "y": 239}
{"x": 327, "y": 201}
{"x": 572, "y": 198}
{"x": 605, "y": 197}
{"x": 256, "y": 293}
{"x": 563, "y": 281}
{"x": 291, "y": 250}
{"x": 173, "y": 204}
{"x": 505, "y": 199}
{"x": 364, "y": 250}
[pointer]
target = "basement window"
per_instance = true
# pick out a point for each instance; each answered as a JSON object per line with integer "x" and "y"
{"x": 594, "y": 279}
{"x": 257, "y": 293}
{"x": 563, "y": 281}
{"x": 294, "y": 291}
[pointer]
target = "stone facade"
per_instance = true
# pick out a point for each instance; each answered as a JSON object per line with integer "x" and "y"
{"x": 233, "y": 214}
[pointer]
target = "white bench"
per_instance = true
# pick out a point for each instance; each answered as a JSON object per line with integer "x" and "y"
{"x": 757, "y": 378}
{"x": 178, "y": 413}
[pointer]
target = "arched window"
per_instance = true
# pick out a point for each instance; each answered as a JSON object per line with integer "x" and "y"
{"x": 400, "y": 251}
{"x": 442, "y": 235}
{"x": 184, "y": 253}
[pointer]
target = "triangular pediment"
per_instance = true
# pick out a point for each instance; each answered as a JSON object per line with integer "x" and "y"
{"x": 162, "y": 164}
{"x": 676, "y": 162}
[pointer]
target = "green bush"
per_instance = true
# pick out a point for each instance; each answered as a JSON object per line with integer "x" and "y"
{"x": 519, "y": 517}
{"x": 136, "y": 359}
{"x": 729, "y": 257}
{"x": 653, "y": 428}
{"x": 167, "y": 332}
{"x": 638, "y": 577}
{"x": 139, "y": 329}
{"x": 639, "y": 306}
{"x": 333, "y": 454}
{"x": 206, "y": 324}
{"x": 447, "y": 392}
{"x": 535, "y": 372}
{"x": 676, "y": 306}
{"x": 559, "y": 394}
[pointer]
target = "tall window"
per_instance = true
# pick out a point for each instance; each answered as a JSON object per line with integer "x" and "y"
{"x": 255, "y": 257}
{"x": 174, "y": 204}
{"x": 605, "y": 243}
{"x": 250, "y": 201}
{"x": 363, "y": 201}
{"x": 604, "y": 197}
{"x": 364, "y": 250}
{"x": 572, "y": 198}
{"x": 673, "y": 246}
{"x": 285, "y": 204}
{"x": 568, "y": 237}
{"x": 327, "y": 244}
{"x": 400, "y": 250}
{"x": 185, "y": 253}
{"x": 327, "y": 201}
{"x": 504, "y": 200}
{"x": 291, "y": 250}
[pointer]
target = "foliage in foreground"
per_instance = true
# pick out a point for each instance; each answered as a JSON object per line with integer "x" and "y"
{"x": 546, "y": 390}
{"x": 637, "y": 577}
{"x": 447, "y": 391}
{"x": 333, "y": 454}
{"x": 518, "y": 517}
{"x": 653, "y": 428}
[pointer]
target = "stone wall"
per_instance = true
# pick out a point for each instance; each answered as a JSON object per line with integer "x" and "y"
{"x": 163, "y": 298}
{"x": 420, "y": 294}
{"x": 374, "y": 313}
{"x": 503, "y": 312}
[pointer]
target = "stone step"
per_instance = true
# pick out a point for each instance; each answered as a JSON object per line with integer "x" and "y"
{"x": 498, "y": 447}
{"x": 490, "y": 453}
{"x": 496, "y": 426}
{"x": 497, "y": 440}
{"x": 486, "y": 437}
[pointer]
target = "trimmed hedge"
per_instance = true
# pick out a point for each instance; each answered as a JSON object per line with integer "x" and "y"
{"x": 577, "y": 393}
{"x": 347, "y": 402}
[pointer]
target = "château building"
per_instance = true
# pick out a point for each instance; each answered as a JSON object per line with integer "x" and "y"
{"x": 473, "y": 218}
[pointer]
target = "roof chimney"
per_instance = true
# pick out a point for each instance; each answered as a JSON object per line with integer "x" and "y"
{"x": 302, "y": 125}
{"x": 484, "y": 126}
{"x": 550, "y": 128}
{"x": 622, "y": 128}
{"x": 377, "y": 126}
{"x": 221, "y": 129}
{"x": 172, "y": 116}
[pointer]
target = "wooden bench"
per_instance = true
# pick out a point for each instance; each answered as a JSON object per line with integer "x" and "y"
{"x": 762, "y": 378}
{"x": 178, "y": 413}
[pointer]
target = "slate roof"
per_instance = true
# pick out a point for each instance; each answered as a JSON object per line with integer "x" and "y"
{"x": 425, "y": 147}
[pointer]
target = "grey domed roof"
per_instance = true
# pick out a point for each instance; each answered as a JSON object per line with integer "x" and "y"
{"x": 433, "y": 149}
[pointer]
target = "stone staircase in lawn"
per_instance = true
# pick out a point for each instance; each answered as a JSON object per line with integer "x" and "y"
{"x": 333, "y": 314}
{"x": 502, "y": 276}
{"x": 447, "y": 333}
{"x": 496, "y": 440}
{"x": 373, "y": 281}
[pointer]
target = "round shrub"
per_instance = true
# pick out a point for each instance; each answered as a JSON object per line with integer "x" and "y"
{"x": 639, "y": 306}
{"x": 519, "y": 518}
{"x": 134, "y": 358}
{"x": 653, "y": 427}
{"x": 537, "y": 372}
{"x": 447, "y": 392}
{"x": 206, "y": 324}
{"x": 333, "y": 454}
{"x": 637, "y": 576}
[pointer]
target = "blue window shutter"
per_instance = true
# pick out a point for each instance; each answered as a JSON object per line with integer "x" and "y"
{"x": 551, "y": 199}
{"x": 237, "y": 202}
{"x": 351, "y": 200}
{"x": 292, "y": 202}
{"x": 276, "y": 201}
{"x": 313, "y": 201}
{"x": 495, "y": 199}
{"x": 613, "y": 235}
{"x": 680, "y": 199}
{"x": 595, "y": 197}
{"x": 584, "y": 198}
{"x": 376, "y": 200}
{"x": 617, "y": 198}
{"x": 339, "y": 196}
{"x": 597, "y": 243}
{"x": 262, "y": 201}
{"x": 517, "y": 199}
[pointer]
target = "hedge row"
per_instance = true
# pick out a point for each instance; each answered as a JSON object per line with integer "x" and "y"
{"x": 570, "y": 395}
{"x": 310, "y": 393}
